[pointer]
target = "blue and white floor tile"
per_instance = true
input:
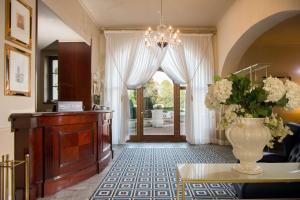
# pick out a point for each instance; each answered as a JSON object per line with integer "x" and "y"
{"x": 149, "y": 173}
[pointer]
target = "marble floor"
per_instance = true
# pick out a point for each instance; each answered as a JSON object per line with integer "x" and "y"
{"x": 85, "y": 189}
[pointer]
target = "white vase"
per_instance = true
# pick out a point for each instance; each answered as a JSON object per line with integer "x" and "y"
{"x": 248, "y": 139}
{"x": 157, "y": 118}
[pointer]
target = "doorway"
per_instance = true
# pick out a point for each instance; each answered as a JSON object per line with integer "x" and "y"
{"x": 157, "y": 110}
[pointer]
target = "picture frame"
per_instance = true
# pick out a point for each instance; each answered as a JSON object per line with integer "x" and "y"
{"x": 17, "y": 71}
{"x": 18, "y": 23}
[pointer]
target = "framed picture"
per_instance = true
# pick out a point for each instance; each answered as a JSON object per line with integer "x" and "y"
{"x": 18, "y": 22}
{"x": 17, "y": 72}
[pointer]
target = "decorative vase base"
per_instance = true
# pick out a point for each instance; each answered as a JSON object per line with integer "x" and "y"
{"x": 247, "y": 170}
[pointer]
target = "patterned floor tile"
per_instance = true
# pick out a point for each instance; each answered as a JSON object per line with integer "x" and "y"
{"x": 150, "y": 173}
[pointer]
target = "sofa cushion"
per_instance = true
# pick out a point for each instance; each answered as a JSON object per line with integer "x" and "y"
{"x": 295, "y": 154}
{"x": 290, "y": 140}
{"x": 267, "y": 190}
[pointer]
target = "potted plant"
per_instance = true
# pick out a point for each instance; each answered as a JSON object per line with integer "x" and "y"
{"x": 247, "y": 116}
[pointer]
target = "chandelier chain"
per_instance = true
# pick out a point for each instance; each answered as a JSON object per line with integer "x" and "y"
{"x": 161, "y": 12}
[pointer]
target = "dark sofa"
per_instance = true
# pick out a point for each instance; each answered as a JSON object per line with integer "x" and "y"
{"x": 290, "y": 153}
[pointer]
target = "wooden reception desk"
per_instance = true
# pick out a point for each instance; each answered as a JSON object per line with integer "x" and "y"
{"x": 64, "y": 148}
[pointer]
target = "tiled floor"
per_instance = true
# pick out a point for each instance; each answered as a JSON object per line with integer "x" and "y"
{"x": 85, "y": 189}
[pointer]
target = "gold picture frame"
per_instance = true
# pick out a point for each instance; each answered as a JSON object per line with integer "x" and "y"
{"x": 17, "y": 72}
{"x": 18, "y": 23}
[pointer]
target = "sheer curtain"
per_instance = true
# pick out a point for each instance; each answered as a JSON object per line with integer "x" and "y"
{"x": 198, "y": 50}
{"x": 128, "y": 65}
{"x": 192, "y": 64}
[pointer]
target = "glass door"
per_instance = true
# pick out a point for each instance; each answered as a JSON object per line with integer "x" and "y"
{"x": 156, "y": 110}
{"x": 132, "y": 123}
{"x": 158, "y": 105}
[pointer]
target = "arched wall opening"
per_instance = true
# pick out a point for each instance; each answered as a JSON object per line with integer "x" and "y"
{"x": 280, "y": 47}
{"x": 235, "y": 54}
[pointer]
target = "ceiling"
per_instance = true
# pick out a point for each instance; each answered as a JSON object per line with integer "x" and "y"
{"x": 141, "y": 13}
{"x": 51, "y": 28}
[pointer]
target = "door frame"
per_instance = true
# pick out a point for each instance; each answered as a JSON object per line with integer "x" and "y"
{"x": 140, "y": 137}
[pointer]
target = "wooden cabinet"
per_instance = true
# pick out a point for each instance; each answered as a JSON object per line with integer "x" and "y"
{"x": 64, "y": 148}
{"x": 74, "y": 72}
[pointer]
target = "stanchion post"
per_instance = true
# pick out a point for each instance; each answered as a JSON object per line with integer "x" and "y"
{"x": 2, "y": 178}
{"x": 6, "y": 176}
{"x": 27, "y": 176}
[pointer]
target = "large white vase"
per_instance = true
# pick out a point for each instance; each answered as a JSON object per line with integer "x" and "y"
{"x": 248, "y": 139}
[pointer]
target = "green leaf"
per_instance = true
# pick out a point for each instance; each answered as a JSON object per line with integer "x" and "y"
{"x": 217, "y": 78}
{"x": 282, "y": 102}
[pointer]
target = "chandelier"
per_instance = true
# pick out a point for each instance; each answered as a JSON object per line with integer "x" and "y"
{"x": 163, "y": 35}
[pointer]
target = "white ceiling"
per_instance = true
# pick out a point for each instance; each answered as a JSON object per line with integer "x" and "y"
{"x": 137, "y": 13}
{"x": 51, "y": 28}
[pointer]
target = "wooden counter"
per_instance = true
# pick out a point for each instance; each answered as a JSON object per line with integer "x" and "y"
{"x": 64, "y": 148}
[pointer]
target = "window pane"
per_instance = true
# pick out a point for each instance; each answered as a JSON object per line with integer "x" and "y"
{"x": 182, "y": 111}
{"x": 55, "y": 66}
{"x": 159, "y": 105}
{"x": 54, "y": 79}
{"x": 54, "y": 93}
{"x": 132, "y": 108}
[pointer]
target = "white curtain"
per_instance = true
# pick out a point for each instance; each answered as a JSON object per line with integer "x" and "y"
{"x": 129, "y": 64}
{"x": 192, "y": 64}
{"x": 200, "y": 62}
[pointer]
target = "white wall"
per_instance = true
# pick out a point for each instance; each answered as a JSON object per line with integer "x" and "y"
{"x": 12, "y": 104}
{"x": 244, "y": 22}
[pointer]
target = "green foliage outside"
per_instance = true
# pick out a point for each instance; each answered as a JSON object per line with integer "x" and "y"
{"x": 158, "y": 93}
{"x": 166, "y": 94}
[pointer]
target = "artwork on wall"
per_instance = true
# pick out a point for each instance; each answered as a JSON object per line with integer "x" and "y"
{"x": 18, "y": 22}
{"x": 17, "y": 72}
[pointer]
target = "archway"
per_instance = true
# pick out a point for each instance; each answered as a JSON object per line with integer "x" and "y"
{"x": 243, "y": 43}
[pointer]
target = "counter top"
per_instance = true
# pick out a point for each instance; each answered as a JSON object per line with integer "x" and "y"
{"x": 40, "y": 114}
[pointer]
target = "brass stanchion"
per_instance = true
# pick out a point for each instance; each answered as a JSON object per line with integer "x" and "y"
{"x": 27, "y": 178}
{"x": 7, "y": 176}
{"x": 2, "y": 178}
{"x": 12, "y": 181}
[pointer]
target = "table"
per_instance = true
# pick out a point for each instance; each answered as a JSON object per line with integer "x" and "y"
{"x": 223, "y": 173}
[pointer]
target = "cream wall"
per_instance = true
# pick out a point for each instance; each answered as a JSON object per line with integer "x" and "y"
{"x": 11, "y": 104}
{"x": 245, "y": 21}
{"x": 102, "y": 66}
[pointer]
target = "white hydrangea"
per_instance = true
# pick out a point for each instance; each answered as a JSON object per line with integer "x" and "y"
{"x": 210, "y": 101}
{"x": 229, "y": 116}
{"x": 292, "y": 94}
{"x": 274, "y": 88}
{"x": 222, "y": 90}
{"x": 277, "y": 128}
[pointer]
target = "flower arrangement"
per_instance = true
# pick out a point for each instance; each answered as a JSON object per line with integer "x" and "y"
{"x": 238, "y": 98}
